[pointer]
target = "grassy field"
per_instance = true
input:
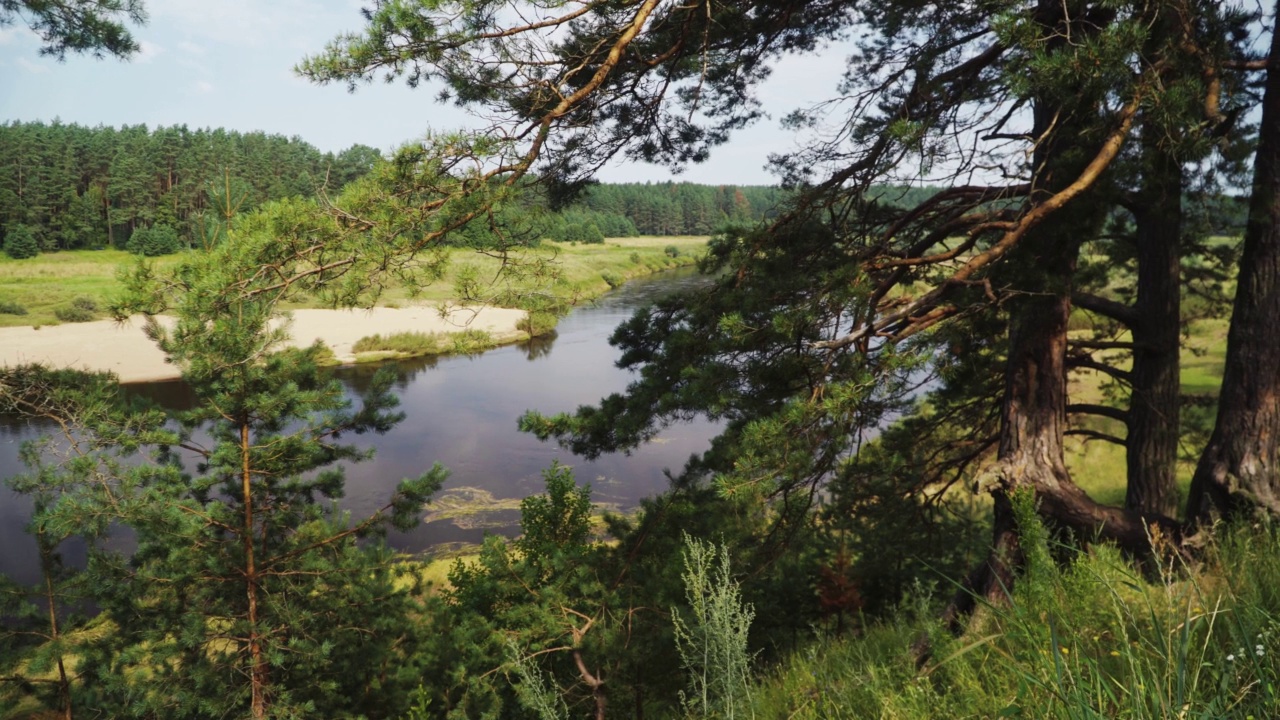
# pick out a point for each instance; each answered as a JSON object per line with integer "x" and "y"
{"x": 1099, "y": 467}
{"x": 44, "y": 284}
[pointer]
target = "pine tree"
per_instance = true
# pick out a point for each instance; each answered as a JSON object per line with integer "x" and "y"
{"x": 20, "y": 243}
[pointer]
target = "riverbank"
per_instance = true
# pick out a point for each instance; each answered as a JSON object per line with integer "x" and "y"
{"x": 56, "y": 282}
{"x": 35, "y": 290}
{"x": 123, "y": 348}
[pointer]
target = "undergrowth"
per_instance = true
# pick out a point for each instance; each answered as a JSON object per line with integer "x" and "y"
{"x": 1092, "y": 636}
{"x": 418, "y": 343}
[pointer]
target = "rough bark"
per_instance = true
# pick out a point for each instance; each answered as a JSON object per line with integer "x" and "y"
{"x": 1034, "y": 407}
{"x": 1154, "y": 404}
{"x": 257, "y": 657}
{"x": 1239, "y": 470}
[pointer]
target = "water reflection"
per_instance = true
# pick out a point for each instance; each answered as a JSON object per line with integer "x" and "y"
{"x": 461, "y": 412}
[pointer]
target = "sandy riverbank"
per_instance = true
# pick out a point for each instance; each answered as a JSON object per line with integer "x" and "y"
{"x": 126, "y": 351}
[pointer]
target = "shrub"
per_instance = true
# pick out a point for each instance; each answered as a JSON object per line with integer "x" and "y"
{"x": 613, "y": 279}
{"x": 712, "y": 635}
{"x": 409, "y": 343}
{"x": 635, "y": 258}
{"x": 21, "y": 243}
{"x": 583, "y": 232}
{"x": 8, "y": 307}
{"x": 85, "y": 303}
{"x": 538, "y": 324}
{"x": 153, "y": 241}
{"x": 417, "y": 343}
{"x": 671, "y": 251}
{"x": 71, "y": 313}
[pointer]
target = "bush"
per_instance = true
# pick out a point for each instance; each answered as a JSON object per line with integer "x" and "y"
{"x": 587, "y": 232}
{"x": 538, "y": 323}
{"x": 417, "y": 343}
{"x": 635, "y": 258}
{"x": 21, "y": 243}
{"x": 671, "y": 251}
{"x": 71, "y": 313}
{"x": 613, "y": 279}
{"x": 85, "y": 303}
{"x": 8, "y": 307}
{"x": 153, "y": 241}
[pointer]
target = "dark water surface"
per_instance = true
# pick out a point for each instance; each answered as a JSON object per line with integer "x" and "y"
{"x": 461, "y": 412}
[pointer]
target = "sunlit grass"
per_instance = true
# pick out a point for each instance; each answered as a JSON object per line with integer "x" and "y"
{"x": 1095, "y": 637}
{"x": 50, "y": 281}
{"x": 1098, "y": 466}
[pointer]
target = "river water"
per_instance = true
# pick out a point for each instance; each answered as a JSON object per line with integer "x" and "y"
{"x": 461, "y": 412}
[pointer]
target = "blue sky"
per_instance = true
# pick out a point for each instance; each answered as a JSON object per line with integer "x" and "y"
{"x": 228, "y": 63}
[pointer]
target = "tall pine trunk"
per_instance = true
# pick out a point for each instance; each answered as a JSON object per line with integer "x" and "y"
{"x": 1239, "y": 470}
{"x": 257, "y": 657}
{"x": 1155, "y": 400}
{"x": 1034, "y": 408}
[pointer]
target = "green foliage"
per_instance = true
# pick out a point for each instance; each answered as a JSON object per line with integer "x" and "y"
{"x": 1088, "y": 638}
{"x": 94, "y": 27}
{"x": 533, "y": 690}
{"x": 417, "y": 343}
{"x": 613, "y": 279}
{"x": 81, "y": 309}
{"x": 671, "y": 251}
{"x": 20, "y": 242}
{"x": 74, "y": 314}
{"x": 9, "y": 307}
{"x": 537, "y": 324}
{"x": 87, "y": 188}
{"x": 713, "y": 640}
{"x": 153, "y": 241}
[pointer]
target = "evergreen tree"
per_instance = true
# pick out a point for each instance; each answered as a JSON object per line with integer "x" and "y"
{"x": 880, "y": 280}
{"x": 96, "y": 27}
{"x": 20, "y": 243}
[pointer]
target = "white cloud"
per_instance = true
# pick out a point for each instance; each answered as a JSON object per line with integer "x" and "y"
{"x": 191, "y": 48}
{"x": 252, "y": 23}
{"x": 147, "y": 51}
{"x": 32, "y": 67}
{"x": 202, "y": 87}
{"x": 17, "y": 34}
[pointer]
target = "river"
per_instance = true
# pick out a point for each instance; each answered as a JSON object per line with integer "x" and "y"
{"x": 461, "y": 412}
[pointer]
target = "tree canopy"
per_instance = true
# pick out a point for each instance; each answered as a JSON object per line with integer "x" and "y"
{"x": 96, "y": 27}
{"x": 875, "y": 352}
{"x": 1042, "y": 122}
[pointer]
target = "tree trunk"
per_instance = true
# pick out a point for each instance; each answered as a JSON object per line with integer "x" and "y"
{"x": 1034, "y": 408}
{"x": 1239, "y": 470}
{"x": 257, "y": 658}
{"x": 1154, "y": 404}
{"x": 47, "y": 550}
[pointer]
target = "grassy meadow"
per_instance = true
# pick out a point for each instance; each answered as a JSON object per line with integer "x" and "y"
{"x": 52, "y": 281}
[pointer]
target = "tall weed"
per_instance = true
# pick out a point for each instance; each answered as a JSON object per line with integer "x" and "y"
{"x": 1091, "y": 636}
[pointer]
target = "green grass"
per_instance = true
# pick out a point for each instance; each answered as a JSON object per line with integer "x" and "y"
{"x": 50, "y": 281}
{"x": 1099, "y": 467}
{"x": 1095, "y": 638}
{"x": 411, "y": 344}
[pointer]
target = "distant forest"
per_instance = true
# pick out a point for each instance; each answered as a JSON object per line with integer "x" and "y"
{"x": 68, "y": 187}
{"x": 77, "y": 187}
{"x": 74, "y": 187}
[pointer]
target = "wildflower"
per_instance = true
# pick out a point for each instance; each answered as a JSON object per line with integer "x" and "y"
{"x": 1115, "y": 653}
{"x": 1231, "y": 658}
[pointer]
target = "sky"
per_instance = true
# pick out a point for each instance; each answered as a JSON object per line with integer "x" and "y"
{"x": 228, "y": 63}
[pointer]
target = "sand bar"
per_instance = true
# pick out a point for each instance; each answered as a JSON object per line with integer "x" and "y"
{"x": 126, "y": 351}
